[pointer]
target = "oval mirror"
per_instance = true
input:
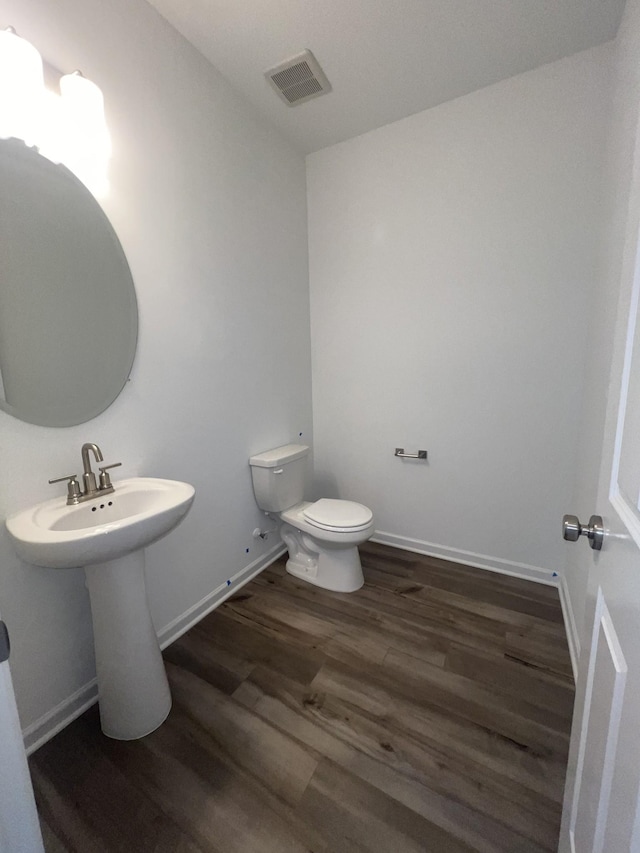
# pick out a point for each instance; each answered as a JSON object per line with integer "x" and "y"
{"x": 68, "y": 312}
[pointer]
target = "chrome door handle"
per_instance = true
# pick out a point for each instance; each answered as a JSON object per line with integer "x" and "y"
{"x": 572, "y": 530}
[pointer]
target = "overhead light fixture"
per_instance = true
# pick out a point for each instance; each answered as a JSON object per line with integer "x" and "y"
{"x": 88, "y": 145}
{"x": 21, "y": 87}
{"x": 68, "y": 128}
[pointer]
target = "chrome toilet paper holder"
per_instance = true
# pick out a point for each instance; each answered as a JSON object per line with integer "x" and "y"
{"x": 421, "y": 454}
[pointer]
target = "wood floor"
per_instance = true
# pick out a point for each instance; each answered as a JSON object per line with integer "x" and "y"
{"x": 430, "y": 711}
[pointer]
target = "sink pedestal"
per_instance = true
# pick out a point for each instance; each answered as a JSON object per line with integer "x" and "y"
{"x": 132, "y": 683}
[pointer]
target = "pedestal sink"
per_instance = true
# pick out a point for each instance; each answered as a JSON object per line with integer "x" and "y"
{"x": 107, "y": 536}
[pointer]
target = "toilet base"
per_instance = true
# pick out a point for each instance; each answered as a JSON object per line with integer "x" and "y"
{"x": 322, "y": 564}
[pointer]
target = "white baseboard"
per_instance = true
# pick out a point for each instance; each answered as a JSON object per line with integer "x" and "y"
{"x": 38, "y": 733}
{"x": 57, "y": 718}
{"x": 193, "y": 615}
{"x": 469, "y": 558}
{"x": 573, "y": 636}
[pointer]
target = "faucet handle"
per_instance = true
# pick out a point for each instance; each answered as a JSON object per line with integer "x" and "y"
{"x": 105, "y": 479}
{"x": 73, "y": 487}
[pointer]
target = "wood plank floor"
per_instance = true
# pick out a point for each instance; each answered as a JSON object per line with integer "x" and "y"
{"x": 429, "y": 711}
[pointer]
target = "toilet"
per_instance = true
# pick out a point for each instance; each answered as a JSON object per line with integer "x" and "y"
{"x": 322, "y": 536}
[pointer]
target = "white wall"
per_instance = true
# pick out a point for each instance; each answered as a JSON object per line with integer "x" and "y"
{"x": 625, "y": 101}
{"x": 209, "y": 203}
{"x": 453, "y": 260}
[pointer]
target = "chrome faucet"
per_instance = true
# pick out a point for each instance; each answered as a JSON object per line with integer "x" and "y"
{"x": 75, "y": 494}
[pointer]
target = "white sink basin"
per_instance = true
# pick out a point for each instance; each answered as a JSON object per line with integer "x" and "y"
{"x": 139, "y": 511}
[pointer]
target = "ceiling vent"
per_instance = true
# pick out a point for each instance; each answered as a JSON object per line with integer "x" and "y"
{"x": 298, "y": 79}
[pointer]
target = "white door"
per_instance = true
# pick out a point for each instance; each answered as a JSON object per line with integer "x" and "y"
{"x": 601, "y": 809}
{"x": 19, "y": 827}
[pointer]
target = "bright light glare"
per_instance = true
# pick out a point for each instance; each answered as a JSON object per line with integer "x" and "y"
{"x": 21, "y": 88}
{"x": 69, "y": 128}
{"x": 88, "y": 145}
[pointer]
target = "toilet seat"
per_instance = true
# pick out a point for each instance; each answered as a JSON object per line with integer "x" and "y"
{"x": 337, "y": 515}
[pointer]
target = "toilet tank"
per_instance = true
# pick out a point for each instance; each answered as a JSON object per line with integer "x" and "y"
{"x": 278, "y": 476}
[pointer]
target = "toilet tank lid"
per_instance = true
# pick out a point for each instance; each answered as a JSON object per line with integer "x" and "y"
{"x": 278, "y": 456}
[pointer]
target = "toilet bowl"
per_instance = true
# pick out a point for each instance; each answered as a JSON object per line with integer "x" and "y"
{"x": 322, "y": 536}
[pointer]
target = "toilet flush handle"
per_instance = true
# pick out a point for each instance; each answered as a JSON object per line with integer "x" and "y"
{"x": 279, "y": 471}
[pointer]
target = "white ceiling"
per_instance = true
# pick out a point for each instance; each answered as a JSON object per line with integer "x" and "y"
{"x": 386, "y": 59}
